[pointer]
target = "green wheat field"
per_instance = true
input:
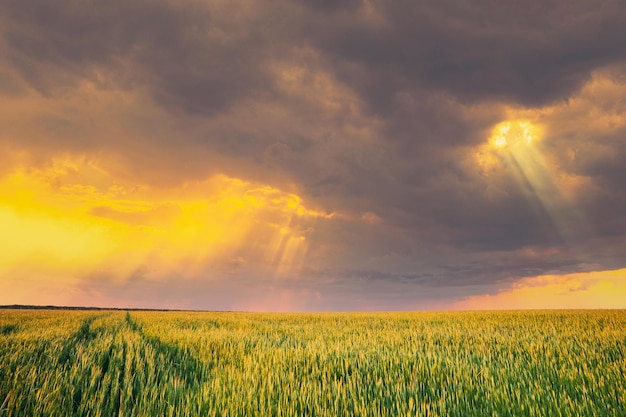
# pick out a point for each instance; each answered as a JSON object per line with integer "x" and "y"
{"x": 115, "y": 363}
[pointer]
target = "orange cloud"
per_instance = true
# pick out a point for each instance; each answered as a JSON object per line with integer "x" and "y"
{"x": 599, "y": 289}
{"x": 73, "y": 218}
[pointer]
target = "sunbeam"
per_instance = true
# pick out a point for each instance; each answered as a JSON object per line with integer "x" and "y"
{"x": 518, "y": 143}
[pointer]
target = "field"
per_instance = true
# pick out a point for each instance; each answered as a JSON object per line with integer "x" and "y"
{"x": 110, "y": 363}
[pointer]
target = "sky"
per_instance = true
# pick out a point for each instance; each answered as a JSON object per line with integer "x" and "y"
{"x": 313, "y": 155}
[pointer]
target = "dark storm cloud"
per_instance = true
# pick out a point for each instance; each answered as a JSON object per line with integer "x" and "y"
{"x": 186, "y": 57}
{"x": 409, "y": 78}
{"x": 529, "y": 53}
{"x": 403, "y": 57}
{"x": 202, "y": 57}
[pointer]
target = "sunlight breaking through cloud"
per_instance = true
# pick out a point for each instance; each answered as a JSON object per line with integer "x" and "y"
{"x": 518, "y": 144}
{"x": 72, "y": 219}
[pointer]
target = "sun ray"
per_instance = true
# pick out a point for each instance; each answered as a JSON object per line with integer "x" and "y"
{"x": 517, "y": 142}
{"x": 74, "y": 219}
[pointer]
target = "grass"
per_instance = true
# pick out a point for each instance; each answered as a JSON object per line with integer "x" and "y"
{"x": 82, "y": 363}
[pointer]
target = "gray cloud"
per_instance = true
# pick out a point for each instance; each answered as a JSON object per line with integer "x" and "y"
{"x": 514, "y": 52}
{"x": 203, "y": 57}
{"x": 367, "y": 107}
{"x": 194, "y": 57}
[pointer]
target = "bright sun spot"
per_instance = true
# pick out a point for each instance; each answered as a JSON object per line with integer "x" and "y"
{"x": 514, "y": 133}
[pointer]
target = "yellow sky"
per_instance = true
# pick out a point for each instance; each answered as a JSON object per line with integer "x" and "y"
{"x": 591, "y": 290}
{"x": 73, "y": 218}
